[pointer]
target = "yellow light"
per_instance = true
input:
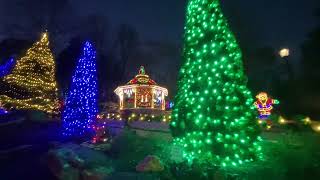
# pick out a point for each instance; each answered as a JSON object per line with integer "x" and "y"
{"x": 282, "y": 120}
{"x": 315, "y": 126}
{"x": 307, "y": 120}
{"x": 260, "y": 121}
{"x": 268, "y": 127}
{"x": 41, "y": 85}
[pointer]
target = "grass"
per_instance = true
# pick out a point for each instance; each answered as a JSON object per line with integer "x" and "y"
{"x": 292, "y": 155}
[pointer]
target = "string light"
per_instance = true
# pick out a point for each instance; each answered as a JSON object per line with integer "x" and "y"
{"x": 2, "y": 110}
{"x": 282, "y": 120}
{"x": 142, "y": 92}
{"x": 142, "y": 117}
{"x": 7, "y": 67}
{"x": 32, "y": 83}
{"x": 307, "y": 120}
{"x": 213, "y": 115}
{"x": 81, "y": 104}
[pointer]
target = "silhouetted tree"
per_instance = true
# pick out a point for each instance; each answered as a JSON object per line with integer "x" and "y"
{"x": 30, "y": 18}
{"x": 66, "y": 62}
{"x": 311, "y": 58}
{"x": 126, "y": 43}
{"x": 96, "y": 28}
{"x": 13, "y": 48}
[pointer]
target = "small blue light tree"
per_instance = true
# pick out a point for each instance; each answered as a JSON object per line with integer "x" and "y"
{"x": 6, "y": 68}
{"x": 81, "y": 103}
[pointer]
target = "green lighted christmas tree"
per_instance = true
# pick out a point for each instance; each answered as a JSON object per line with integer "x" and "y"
{"x": 214, "y": 119}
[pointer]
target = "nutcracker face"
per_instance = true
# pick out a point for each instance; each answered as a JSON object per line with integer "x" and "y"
{"x": 263, "y": 97}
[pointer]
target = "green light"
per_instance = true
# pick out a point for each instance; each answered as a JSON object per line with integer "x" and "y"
{"x": 213, "y": 102}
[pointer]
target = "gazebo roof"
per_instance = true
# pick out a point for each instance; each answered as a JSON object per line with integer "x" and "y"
{"x": 142, "y": 79}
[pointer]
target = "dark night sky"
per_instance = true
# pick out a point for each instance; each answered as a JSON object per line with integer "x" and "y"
{"x": 257, "y": 23}
{"x": 277, "y": 23}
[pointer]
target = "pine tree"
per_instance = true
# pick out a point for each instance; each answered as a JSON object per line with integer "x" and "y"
{"x": 32, "y": 83}
{"x": 213, "y": 117}
{"x": 81, "y": 103}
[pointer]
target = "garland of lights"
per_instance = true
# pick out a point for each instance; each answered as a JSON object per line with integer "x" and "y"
{"x": 32, "y": 83}
{"x": 81, "y": 104}
{"x": 137, "y": 117}
{"x": 7, "y": 67}
{"x": 2, "y": 110}
{"x": 213, "y": 117}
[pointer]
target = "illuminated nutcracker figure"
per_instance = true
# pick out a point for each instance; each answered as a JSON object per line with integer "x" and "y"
{"x": 264, "y": 105}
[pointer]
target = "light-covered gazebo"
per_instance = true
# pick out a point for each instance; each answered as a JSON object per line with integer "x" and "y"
{"x": 142, "y": 93}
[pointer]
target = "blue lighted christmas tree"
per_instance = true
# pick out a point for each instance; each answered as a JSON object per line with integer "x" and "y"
{"x": 6, "y": 68}
{"x": 81, "y": 103}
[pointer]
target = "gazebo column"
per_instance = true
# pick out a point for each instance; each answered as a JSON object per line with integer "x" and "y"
{"x": 152, "y": 98}
{"x": 163, "y": 101}
{"x": 135, "y": 97}
{"x": 121, "y": 99}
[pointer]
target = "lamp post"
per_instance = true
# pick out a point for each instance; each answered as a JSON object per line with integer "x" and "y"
{"x": 284, "y": 54}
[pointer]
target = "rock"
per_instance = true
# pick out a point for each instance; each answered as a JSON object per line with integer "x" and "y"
{"x": 98, "y": 147}
{"x": 60, "y": 169}
{"x": 99, "y": 173}
{"x": 70, "y": 173}
{"x": 55, "y": 164}
{"x": 132, "y": 176}
{"x": 150, "y": 164}
{"x": 74, "y": 160}
{"x": 69, "y": 161}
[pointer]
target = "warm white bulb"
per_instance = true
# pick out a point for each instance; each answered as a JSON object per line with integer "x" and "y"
{"x": 285, "y": 52}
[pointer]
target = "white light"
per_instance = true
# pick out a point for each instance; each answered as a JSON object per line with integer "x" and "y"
{"x": 285, "y": 52}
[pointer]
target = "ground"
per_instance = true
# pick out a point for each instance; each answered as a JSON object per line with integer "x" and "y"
{"x": 23, "y": 147}
{"x": 289, "y": 154}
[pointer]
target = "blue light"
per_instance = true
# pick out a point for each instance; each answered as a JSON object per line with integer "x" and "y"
{"x": 171, "y": 105}
{"x": 81, "y": 103}
{"x": 7, "y": 67}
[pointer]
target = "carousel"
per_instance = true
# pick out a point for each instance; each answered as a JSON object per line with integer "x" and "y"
{"x": 142, "y": 93}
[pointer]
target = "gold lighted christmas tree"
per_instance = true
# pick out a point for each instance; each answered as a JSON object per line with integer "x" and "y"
{"x": 32, "y": 83}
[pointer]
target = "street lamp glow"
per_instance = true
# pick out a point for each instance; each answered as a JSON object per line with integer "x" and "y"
{"x": 285, "y": 52}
